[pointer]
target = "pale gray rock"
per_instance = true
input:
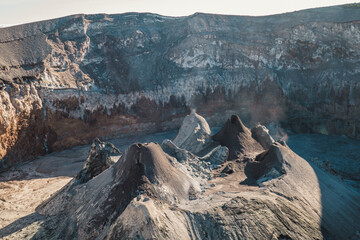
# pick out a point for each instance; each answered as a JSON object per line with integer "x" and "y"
{"x": 217, "y": 155}
{"x": 194, "y": 134}
{"x": 261, "y": 134}
{"x": 189, "y": 162}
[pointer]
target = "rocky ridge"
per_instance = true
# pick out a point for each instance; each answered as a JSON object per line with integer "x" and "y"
{"x": 141, "y": 72}
{"x": 148, "y": 194}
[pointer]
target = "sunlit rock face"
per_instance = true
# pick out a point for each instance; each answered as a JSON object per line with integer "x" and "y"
{"x": 66, "y": 81}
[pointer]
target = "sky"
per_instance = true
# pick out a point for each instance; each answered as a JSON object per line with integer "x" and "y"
{"x": 13, "y": 12}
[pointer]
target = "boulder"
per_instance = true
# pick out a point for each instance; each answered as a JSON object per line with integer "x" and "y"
{"x": 261, "y": 134}
{"x": 194, "y": 134}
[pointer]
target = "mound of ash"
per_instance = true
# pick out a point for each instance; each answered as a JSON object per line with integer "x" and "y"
{"x": 202, "y": 187}
{"x": 150, "y": 162}
{"x": 94, "y": 205}
{"x": 237, "y": 138}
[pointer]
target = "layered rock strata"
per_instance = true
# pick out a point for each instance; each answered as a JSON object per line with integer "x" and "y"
{"x": 65, "y": 81}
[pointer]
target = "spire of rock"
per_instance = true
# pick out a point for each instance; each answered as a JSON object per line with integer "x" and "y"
{"x": 97, "y": 161}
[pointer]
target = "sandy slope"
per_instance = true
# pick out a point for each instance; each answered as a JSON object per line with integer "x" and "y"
{"x": 338, "y": 155}
{"x": 24, "y": 187}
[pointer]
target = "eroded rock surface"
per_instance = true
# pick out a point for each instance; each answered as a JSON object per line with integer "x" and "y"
{"x": 194, "y": 134}
{"x": 261, "y": 134}
{"x": 65, "y": 81}
{"x": 267, "y": 165}
{"x": 98, "y": 160}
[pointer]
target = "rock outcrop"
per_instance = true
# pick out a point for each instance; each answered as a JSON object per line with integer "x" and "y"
{"x": 195, "y": 149}
{"x": 97, "y": 161}
{"x": 148, "y": 194}
{"x": 261, "y": 134}
{"x": 194, "y": 134}
{"x": 65, "y": 81}
{"x": 267, "y": 165}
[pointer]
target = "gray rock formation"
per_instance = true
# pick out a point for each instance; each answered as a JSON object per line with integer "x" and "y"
{"x": 65, "y": 81}
{"x": 217, "y": 155}
{"x": 193, "y": 139}
{"x": 148, "y": 194}
{"x": 190, "y": 163}
{"x": 261, "y": 134}
{"x": 97, "y": 161}
{"x": 268, "y": 165}
{"x": 194, "y": 134}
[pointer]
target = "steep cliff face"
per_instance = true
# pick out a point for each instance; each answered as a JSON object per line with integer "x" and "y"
{"x": 65, "y": 81}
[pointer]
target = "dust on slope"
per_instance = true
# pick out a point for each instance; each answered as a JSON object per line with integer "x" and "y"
{"x": 24, "y": 187}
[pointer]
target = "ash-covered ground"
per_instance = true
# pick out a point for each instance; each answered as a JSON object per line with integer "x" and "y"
{"x": 29, "y": 184}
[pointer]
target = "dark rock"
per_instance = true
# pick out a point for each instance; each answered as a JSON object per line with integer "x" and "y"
{"x": 98, "y": 160}
{"x": 192, "y": 193}
{"x": 282, "y": 142}
{"x": 267, "y": 165}
{"x": 229, "y": 169}
{"x": 284, "y": 237}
